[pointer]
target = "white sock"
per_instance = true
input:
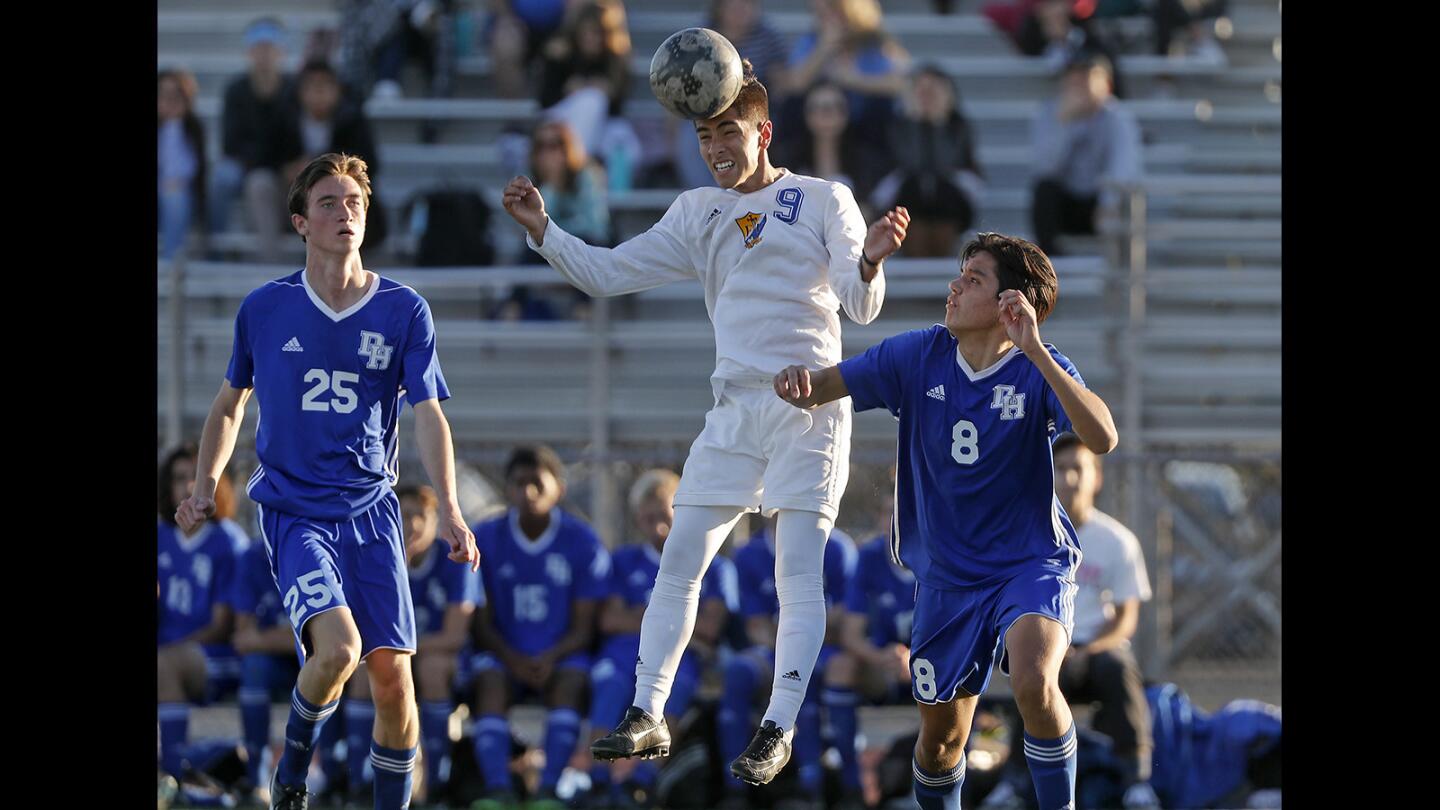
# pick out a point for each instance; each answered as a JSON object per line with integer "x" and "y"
{"x": 800, "y": 586}
{"x": 698, "y": 532}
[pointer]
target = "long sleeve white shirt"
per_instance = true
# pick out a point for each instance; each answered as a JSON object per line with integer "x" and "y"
{"x": 775, "y": 264}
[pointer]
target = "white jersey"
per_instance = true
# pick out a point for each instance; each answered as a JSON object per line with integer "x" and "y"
{"x": 776, "y": 265}
{"x": 1112, "y": 572}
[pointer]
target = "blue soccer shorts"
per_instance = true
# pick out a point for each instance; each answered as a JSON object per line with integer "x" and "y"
{"x": 519, "y": 693}
{"x": 957, "y": 634}
{"x": 321, "y": 565}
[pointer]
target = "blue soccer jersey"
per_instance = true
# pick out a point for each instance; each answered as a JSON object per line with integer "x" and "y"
{"x": 255, "y": 591}
{"x": 884, "y": 593}
{"x": 975, "y": 499}
{"x": 195, "y": 574}
{"x": 632, "y": 577}
{"x": 755, "y": 567}
{"x": 329, "y": 385}
{"x": 436, "y": 584}
{"x": 531, "y": 584}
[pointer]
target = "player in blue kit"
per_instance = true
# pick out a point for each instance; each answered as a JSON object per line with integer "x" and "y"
{"x": 879, "y": 610}
{"x": 332, "y": 352}
{"x": 544, "y": 576}
{"x": 633, "y": 569}
{"x": 979, "y": 401}
{"x": 195, "y": 569}
{"x": 748, "y": 673}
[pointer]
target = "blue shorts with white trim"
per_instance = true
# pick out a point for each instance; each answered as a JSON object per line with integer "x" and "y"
{"x": 957, "y": 634}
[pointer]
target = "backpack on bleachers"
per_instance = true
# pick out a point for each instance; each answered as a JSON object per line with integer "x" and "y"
{"x": 452, "y": 228}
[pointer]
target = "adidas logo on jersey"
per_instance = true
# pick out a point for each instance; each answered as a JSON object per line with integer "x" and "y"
{"x": 292, "y": 346}
{"x": 938, "y": 392}
{"x": 792, "y": 675}
{"x": 714, "y": 212}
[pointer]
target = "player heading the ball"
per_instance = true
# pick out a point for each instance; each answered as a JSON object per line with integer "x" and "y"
{"x": 980, "y": 399}
{"x": 330, "y": 350}
{"x": 776, "y": 254}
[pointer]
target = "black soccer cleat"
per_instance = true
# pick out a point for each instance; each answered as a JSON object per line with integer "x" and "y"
{"x": 638, "y": 735}
{"x": 287, "y": 798}
{"x": 768, "y": 752}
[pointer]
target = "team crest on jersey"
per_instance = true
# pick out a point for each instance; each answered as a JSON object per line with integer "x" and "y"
{"x": 557, "y": 568}
{"x": 1010, "y": 404}
{"x": 372, "y": 345}
{"x": 750, "y": 227}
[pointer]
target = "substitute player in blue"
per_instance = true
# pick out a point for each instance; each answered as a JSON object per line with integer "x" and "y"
{"x": 333, "y": 351}
{"x": 747, "y": 674}
{"x": 195, "y": 568}
{"x": 544, "y": 576}
{"x": 979, "y": 401}
{"x": 632, "y": 577}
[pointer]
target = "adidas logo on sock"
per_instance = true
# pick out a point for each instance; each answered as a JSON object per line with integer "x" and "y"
{"x": 938, "y": 392}
{"x": 792, "y": 675}
{"x": 293, "y": 346}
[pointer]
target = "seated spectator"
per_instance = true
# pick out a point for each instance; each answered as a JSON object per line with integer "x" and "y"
{"x": 1099, "y": 666}
{"x": 544, "y": 574}
{"x": 632, "y": 576}
{"x": 827, "y": 147}
{"x": 325, "y": 121}
{"x": 878, "y": 613}
{"x": 1081, "y": 139}
{"x": 1191, "y": 17}
{"x": 573, "y": 185}
{"x": 194, "y": 660}
{"x": 851, "y": 49}
{"x": 749, "y": 675}
{"x": 254, "y": 113}
{"x": 1056, "y": 30}
{"x": 584, "y": 81}
{"x": 378, "y": 38}
{"x": 936, "y": 176}
{"x": 514, "y": 33}
{"x": 181, "y": 159}
{"x": 741, "y": 22}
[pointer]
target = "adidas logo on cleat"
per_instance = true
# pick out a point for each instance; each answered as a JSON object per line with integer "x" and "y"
{"x": 938, "y": 392}
{"x": 792, "y": 675}
{"x": 293, "y": 346}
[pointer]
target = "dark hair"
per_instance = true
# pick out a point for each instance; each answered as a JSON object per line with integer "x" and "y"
{"x": 421, "y": 492}
{"x": 753, "y": 103}
{"x": 569, "y": 144}
{"x": 315, "y": 66}
{"x": 1070, "y": 441}
{"x": 330, "y": 164}
{"x": 165, "y": 502}
{"x": 1021, "y": 266}
{"x": 538, "y": 456}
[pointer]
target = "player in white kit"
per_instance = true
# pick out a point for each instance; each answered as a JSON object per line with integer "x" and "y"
{"x": 777, "y": 254}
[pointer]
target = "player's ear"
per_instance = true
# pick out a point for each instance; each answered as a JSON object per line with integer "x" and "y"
{"x": 301, "y": 225}
{"x": 767, "y": 131}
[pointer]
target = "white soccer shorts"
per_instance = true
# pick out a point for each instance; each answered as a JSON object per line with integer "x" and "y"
{"x": 761, "y": 453}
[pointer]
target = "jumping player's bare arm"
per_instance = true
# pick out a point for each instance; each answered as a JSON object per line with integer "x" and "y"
{"x": 217, "y": 443}
{"x": 1086, "y": 410}
{"x": 437, "y": 453}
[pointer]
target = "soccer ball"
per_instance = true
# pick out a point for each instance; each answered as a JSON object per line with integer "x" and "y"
{"x": 696, "y": 73}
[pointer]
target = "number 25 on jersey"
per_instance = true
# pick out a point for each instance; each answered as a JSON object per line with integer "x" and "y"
{"x": 343, "y": 400}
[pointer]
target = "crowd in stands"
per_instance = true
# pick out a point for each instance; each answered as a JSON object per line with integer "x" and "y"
{"x": 849, "y": 103}
{"x": 553, "y": 618}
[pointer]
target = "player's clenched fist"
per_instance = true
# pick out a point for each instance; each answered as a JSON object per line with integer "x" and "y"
{"x": 792, "y": 384}
{"x": 193, "y": 511}
{"x": 462, "y": 541}
{"x": 1018, "y": 316}
{"x": 523, "y": 202}
{"x": 887, "y": 233}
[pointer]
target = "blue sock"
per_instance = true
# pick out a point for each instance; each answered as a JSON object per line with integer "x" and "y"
{"x": 733, "y": 720}
{"x": 645, "y": 773}
{"x": 174, "y": 729}
{"x": 255, "y": 725}
{"x": 492, "y": 750}
{"x": 305, "y": 721}
{"x": 394, "y": 772}
{"x": 331, "y": 734}
{"x": 435, "y": 736}
{"x": 359, "y": 731}
{"x": 1052, "y": 769}
{"x": 562, "y": 731}
{"x": 807, "y": 746}
{"x": 938, "y": 791}
{"x": 600, "y": 778}
{"x": 840, "y": 706}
